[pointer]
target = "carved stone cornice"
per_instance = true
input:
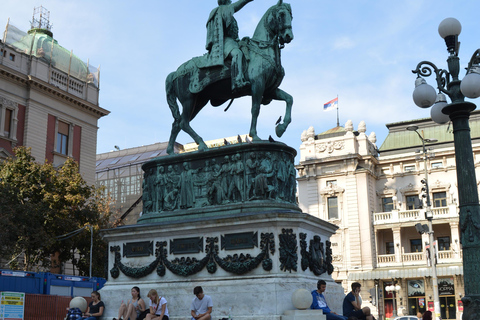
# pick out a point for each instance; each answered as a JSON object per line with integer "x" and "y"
{"x": 51, "y": 90}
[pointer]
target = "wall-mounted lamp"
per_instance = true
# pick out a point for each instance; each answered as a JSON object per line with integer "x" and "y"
{"x": 460, "y": 295}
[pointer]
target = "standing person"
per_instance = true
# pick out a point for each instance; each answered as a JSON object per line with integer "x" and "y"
{"x": 319, "y": 302}
{"x": 158, "y": 306}
{"x": 133, "y": 308}
{"x": 427, "y": 315}
{"x": 95, "y": 308}
{"x": 201, "y": 305}
{"x": 352, "y": 304}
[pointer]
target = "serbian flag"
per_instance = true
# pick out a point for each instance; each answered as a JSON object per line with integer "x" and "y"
{"x": 330, "y": 104}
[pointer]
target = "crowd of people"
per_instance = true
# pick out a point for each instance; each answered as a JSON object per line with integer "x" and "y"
{"x": 201, "y": 307}
{"x": 136, "y": 308}
{"x": 352, "y": 305}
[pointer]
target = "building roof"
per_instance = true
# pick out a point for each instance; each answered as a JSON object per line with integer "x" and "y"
{"x": 400, "y": 138}
{"x": 132, "y": 156}
{"x": 40, "y": 43}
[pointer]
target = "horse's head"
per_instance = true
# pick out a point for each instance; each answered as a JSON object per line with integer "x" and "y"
{"x": 282, "y": 20}
{"x": 278, "y": 22}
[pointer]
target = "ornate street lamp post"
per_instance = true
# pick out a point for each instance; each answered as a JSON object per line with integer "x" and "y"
{"x": 393, "y": 288}
{"x": 458, "y": 111}
{"x": 429, "y": 217}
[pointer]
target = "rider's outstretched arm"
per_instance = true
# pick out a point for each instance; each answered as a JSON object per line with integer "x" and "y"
{"x": 240, "y": 4}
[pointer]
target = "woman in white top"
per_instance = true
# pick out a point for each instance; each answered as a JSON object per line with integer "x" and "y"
{"x": 158, "y": 306}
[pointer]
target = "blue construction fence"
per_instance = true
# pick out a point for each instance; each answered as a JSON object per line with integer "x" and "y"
{"x": 49, "y": 283}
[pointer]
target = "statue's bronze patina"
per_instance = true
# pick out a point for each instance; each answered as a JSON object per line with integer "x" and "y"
{"x": 232, "y": 68}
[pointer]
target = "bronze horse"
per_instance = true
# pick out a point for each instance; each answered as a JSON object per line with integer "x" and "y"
{"x": 264, "y": 71}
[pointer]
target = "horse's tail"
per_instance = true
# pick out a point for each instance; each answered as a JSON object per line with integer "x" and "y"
{"x": 171, "y": 96}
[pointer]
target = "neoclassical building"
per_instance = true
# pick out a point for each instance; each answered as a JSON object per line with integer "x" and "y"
{"x": 374, "y": 196}
{"x": 48, "y": 98}
{"x": 49, "y": 101}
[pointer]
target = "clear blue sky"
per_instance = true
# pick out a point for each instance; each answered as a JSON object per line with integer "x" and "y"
{"x": 363, "y": 51}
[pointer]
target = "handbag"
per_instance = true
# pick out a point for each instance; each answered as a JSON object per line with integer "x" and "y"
{"x": 143, "y": 314}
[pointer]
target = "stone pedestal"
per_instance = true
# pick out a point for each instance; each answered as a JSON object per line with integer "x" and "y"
{"x": 249, "y": 252}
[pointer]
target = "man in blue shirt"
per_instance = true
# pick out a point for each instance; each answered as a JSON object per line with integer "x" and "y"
{"x": 352, "y": 305}
{"x": 319, "y": 302}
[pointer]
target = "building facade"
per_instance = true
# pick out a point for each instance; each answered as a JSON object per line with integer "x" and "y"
{"x": 375, "y": 197}
{"x": 48, "y": 99}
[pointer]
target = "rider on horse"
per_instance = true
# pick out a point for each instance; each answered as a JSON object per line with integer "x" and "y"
{"x": 222, "y": 40}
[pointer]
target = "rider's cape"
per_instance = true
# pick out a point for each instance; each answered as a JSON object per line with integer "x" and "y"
{"x": 215, "y": 34}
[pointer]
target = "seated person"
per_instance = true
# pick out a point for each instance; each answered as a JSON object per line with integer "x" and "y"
{"x": 201, "y": 305}
{"x": 319, "y": 302}
{"x": 133, "y": 308}
{"x": 352, "y": 304}
{"x": 158, "y": 306}
{"x": 95, "y": 308}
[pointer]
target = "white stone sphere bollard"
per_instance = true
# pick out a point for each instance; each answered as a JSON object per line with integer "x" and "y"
{"x": 79, "y": 302}
{"x": 302, "y": 299}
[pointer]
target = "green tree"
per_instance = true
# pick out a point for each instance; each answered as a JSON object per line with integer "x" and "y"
{"x": 40, "y": 203}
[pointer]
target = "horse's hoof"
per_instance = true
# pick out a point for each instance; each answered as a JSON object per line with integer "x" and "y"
{"x": 202, "y": 147}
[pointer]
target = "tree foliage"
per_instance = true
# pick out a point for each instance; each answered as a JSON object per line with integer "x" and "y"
{"x": 39, "y": 203}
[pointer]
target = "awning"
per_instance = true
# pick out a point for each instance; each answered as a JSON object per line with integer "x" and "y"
{"x": 405, "y": 273}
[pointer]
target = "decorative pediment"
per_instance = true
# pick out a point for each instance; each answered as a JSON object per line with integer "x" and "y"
{"x": 439, "y": 185}
{"x": 331, "y": 190}
{"x": 8, "y": 103}
{"x": 387, "y": 192}
{"x": 410, "y": 188}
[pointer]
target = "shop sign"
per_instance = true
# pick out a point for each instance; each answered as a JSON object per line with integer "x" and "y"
{"x": 446, "y": 287}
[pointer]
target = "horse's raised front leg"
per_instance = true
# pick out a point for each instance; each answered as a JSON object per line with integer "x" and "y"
{"x": 257, "y": 93}
{"x": 281, "y": 95}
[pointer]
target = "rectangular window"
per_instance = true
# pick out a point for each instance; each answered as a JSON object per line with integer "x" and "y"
{"x": 8, "y": 122}
{"x": 387, "y": 204}
{"x": 437, "y": 165}
{"x": 12, "y": 57}
{"x": 413, "y": 202}
{"x": 332, "y": 208}
{"x": 439, "y": 199}
{"x": 62, "y": 138}
{"x": 409, "y": 168}
{"x": 416, "y": 245}
{"x": 443, "y": 243}
{"x": 389, "y": 247}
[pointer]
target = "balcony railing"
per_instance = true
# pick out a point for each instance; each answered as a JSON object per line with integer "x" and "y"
{"x": 397, "y": 216}
{"x": 417, "y": 258}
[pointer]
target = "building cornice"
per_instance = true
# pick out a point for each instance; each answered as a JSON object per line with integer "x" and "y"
{"x": 51, "y": 90}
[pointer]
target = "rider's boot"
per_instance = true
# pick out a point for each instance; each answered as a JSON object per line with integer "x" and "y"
{"x": 238, "y": 81}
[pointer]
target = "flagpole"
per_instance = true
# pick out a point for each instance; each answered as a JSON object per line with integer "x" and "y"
{"x": 338, "y": 121}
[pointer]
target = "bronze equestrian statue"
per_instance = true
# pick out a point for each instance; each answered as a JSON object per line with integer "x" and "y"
{"x": 232, "y": 68}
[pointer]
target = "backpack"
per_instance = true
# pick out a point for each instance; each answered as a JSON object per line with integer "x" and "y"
{"x": 74, "y": 314}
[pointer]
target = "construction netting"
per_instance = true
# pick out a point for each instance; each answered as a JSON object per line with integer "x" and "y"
{"x": 40, "y": 44}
